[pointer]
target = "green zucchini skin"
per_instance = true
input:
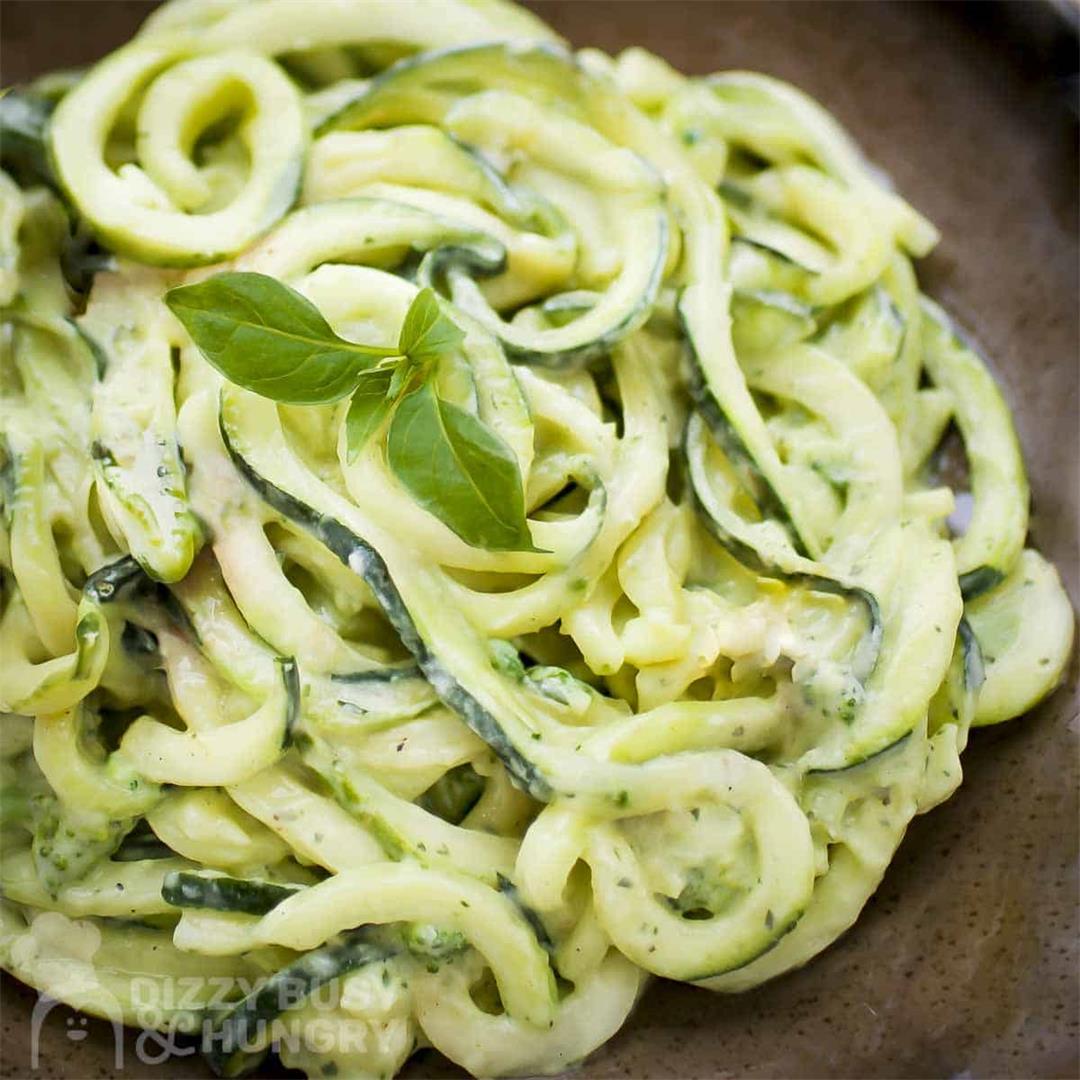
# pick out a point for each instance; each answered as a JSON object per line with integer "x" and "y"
{"x": 994, "y": 539}
{"x": 814, "y": 582}
{"x": 484, "y": 259}
{"x": 1024, "y": 630}
{"x": 980, "y": 580}
{"x": 112, "y": 476}
{"x": 858, "y": 763}
{"x": 363, "y": 559}
{"x": 508, "y": 888}
{"x": 702, "y": 980}
{"x": 187, "y": 890}
{"x": 601, "y": 345}
{"x": 412, "y": 90}
{"x": 499, "y": 61}
{"x": 290, "y": 676}
{"x": 478, "y": 261}
{"x": 974, "y": 664}
{"x": 794, "y": 273}
{"x": 116, "y": 579}
{"x": 124, "y": 580}
{"x": 726, "y": 434}
{"x": 401, "y": 690}
{"x": 224, "y": 1046}
{"x": 379, "y": 675}
{"x": 753, "y": 560}
{"x": 91, "y": 343}
{"x": 140, "y": 844}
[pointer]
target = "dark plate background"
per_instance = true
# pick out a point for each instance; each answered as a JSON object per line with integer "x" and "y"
{"x": 965, "y": 964}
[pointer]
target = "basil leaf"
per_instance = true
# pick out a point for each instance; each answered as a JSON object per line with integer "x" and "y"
{"x": 427, "y": 332}
{"x": 460, "y": 471}
{"x": 266, "y": 337}
{"x": 368, "y": 408}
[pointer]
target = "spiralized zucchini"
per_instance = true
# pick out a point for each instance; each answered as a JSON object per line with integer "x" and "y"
{"x": 292, "y": 723}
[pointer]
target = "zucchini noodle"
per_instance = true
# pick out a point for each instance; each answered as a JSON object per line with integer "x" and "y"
{"x": 267, "y": 717}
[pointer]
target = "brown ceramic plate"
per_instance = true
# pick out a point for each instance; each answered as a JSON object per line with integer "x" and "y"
{"x": 966, "y": 961}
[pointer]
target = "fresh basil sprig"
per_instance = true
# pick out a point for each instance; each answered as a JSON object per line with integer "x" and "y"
{"x": 266, "y": 337}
